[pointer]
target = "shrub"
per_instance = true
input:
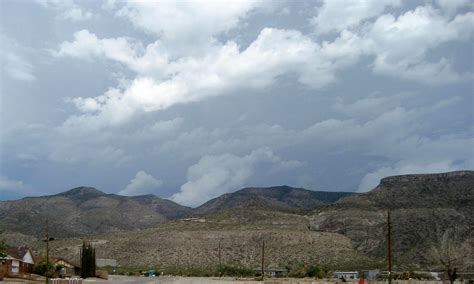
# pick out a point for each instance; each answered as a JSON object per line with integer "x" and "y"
{"x": 41, "y": 268}
{"x": 313, "y": 271}
{"x": 229, "y": 270}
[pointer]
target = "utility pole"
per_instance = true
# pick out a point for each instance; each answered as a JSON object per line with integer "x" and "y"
{"x": 219, "y": 250}
{"x": 47, "y": 252}
{"x": 263, "y": 258}
{"x": 389, "y": 247}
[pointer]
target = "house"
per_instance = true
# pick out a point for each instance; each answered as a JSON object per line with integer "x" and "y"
{"x": 346, "y": 275}
{"x": 68, "y": 268}
{"x": 18, "y": 260}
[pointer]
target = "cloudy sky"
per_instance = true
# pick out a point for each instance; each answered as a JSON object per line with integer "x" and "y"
{"x": 191, "y": 99}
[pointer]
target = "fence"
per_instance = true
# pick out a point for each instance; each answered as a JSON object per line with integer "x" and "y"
{"x": 65, "y": 281}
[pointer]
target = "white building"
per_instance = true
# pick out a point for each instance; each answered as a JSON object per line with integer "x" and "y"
{"x": 346, "y": 275}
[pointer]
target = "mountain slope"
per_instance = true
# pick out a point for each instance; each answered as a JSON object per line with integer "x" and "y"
{"x": 85, "y": 210}
{"x": 422, "y": 206}
{"x": 278, "y": 198}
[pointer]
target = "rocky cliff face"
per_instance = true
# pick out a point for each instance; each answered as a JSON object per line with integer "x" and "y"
{"x": 439, "y": 177}
{"x": 421, "y": 206}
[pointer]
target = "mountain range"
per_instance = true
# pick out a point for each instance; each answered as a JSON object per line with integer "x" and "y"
{"x": 85, "y": 210}
{"x": 298, "y": 224}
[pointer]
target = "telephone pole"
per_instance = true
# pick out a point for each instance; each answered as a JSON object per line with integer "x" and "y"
{"x": 263, "y": 258}
{"x": 389, "y": 247}
{"x": 47, "y": 252}
{"x": 219, "y": 251}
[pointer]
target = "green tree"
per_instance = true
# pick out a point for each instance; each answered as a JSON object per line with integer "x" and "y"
{"x": 87, "y": 260}
{"x": 3, "y": 248}
{"x": 313, "y": 271}
{"x": 43, "y": 268}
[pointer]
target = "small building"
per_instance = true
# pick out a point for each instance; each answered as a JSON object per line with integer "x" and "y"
{"x": 346, "y": 275}
{"x": 68, "y": 268}
{"x": 18, "y": 260}
{"x": 272, "y": 272}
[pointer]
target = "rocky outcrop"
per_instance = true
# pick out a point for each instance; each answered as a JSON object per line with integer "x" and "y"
{"x": 439, "y": 177}
{"x": 422, "y": 206}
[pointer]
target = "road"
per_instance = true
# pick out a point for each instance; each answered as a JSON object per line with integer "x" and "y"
{"x": 189, "y": 280}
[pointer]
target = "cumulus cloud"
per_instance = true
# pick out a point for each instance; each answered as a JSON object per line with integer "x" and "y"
{"x": 142, "y": 183}
{"x": 121, "y": 49}
{"x": 212, "y": 176}
{"x": 336, "y": 16}
{"x": 401, "y": 44}
{"x": 186, "y": 27}
{"x": 223, "y": 69}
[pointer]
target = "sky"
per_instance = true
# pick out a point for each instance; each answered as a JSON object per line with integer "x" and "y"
{"x": 189, "y": 100}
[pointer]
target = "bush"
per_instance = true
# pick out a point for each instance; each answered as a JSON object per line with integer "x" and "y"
{"x": 301, "y": 270}
{"x": 42, "y": 269}
{"x": 229, "y": 270}
{"x": 313, "y": 271}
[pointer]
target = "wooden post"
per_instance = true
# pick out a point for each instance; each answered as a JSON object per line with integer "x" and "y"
{"x": 263, "y": 258}
{"x": 389, "y": 247}
{"x": 220, "y": 260}
{"x": 47, "y": 252}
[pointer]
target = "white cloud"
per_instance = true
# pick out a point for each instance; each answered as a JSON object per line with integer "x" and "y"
{"x": 66, "y": 9}
{"x": 223, "y": 69}
{"x": 186, "y": 27}
{"x": 400, "y": 47}
{"x": 87, "y": 45}
{"x": 336, "y": 16}
{"x": 401, "y": 44}
{"x": 212, "y": 176}
{"x": 143, "y": 183}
